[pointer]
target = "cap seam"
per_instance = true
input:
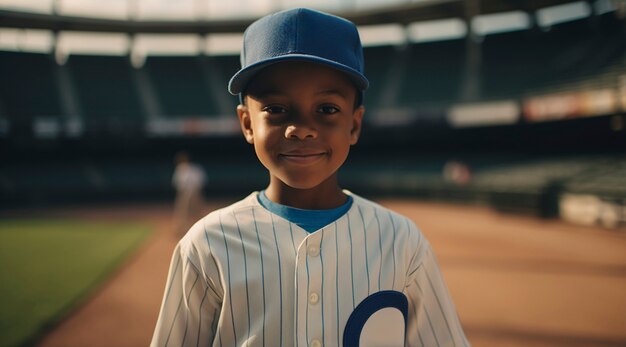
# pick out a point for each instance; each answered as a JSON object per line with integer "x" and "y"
{"x": 297, "y": 25}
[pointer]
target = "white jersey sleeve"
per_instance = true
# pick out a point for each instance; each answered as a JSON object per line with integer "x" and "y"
{"x": 432, "y": 317}
{"x": 191, "y": 304}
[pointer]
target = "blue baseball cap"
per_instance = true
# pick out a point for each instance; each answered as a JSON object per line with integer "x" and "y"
{"x": 300, "y": 35}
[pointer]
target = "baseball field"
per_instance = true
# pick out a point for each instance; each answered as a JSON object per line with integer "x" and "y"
{"x": 516, "y": 280}
{"x": 50, "y": 266}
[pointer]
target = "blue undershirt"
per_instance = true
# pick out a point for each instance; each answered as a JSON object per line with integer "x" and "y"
{"x": 309, "y": 220}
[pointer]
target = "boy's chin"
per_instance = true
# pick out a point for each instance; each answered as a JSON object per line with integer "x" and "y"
{"x": 304, "y": 183}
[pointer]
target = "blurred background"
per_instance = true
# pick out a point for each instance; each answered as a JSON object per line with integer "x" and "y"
{"x": 527, "y": 97}
{"x": 514, "y": 106}
{"x": 517, "y": 104}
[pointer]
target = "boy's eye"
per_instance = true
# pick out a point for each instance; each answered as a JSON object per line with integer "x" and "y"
{"x": 328, "y": 109}
{"x": 273, "y": 109}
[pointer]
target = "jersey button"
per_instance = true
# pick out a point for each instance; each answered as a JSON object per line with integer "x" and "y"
{"x": 316, "y": 343}
{"x": 314, "y": 251}
{"x": 314, "y": 298}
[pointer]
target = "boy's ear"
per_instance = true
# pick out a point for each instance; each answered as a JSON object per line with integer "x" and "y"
{"x": 357, "y": 120}
{"x": 245, "y": 122}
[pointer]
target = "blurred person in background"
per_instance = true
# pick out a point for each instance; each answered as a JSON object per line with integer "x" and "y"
{"x": 457, "y": 172}
{"x": 188, "y": 180}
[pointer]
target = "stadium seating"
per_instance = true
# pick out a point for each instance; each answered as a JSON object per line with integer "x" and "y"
{"x": 424, "y": 79}
{"x": 522, "y": 62}
{"x": 182, "y": 87}
{"x": 28, "y": 86}
{"x": 377, "y": 68}
{"x": 129, "y": 177}
{"x": 105, "y": 87}
{"x": 44, "y": 180}
{"x": 584, "y": 47}
{"x": 226, "y": 65}
{"x": 435, "y": 73}
{"x": 511, "y": 64}
{"x": 417, "y": 75}
{"x": 605, "y": 178}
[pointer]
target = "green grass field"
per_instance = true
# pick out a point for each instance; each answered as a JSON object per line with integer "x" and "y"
{"x": 48, "y": 267}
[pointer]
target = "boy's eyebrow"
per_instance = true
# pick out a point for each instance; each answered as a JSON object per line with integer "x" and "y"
{"x": 332, "y": 92}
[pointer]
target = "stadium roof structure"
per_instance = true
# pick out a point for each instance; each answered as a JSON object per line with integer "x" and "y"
{"x": 396, "y": 14}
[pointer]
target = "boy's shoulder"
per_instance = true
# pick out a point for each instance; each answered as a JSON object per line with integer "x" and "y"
{"x": 377, "y": 218}
{"x": 379, "y": 211}
{"x": 213, "y": 221}
{"x": 244, "y": 204}
{"x": 212, "y": 227}
{"x": 405, "y": 231}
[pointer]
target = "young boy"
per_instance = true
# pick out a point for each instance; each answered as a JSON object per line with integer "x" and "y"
{"x": 304, "y": 263}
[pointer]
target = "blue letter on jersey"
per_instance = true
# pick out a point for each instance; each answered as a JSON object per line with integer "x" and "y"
{"x": 379, "y": 320}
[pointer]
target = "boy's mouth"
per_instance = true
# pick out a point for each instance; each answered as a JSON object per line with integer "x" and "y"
{"x": 303, "y": 157}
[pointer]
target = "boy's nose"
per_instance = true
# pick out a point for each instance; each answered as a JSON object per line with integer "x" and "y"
{"x": 300, "y": 132}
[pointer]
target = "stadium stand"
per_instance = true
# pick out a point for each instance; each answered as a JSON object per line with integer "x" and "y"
{"x": 530, "y": 61}
{"x": 128, "y": 176}
{"x": 513, "y": 64}
{"x": 225, "y": 66}
{"x": 181, "y": 86}
{"x": 377, "y": 68}
{"x": 105, "y": 87}
{"x": 523, "y": 166}
{"x": 28, "y": 85}
{"x": 605, "y": 178}
{"x": 584, "y": 47}
{"x": 435, "y": 73}
{"x": 40, "y": 181}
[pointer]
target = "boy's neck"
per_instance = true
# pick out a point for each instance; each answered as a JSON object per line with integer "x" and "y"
{"x": 325, "y": 196}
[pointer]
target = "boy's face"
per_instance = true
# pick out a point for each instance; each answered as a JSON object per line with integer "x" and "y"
{"x": 301, "y": 119}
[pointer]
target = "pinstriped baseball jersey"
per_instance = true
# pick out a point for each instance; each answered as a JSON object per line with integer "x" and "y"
{"x": 243, "y": 276}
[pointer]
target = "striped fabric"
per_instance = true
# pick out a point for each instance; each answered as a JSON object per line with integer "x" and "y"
{"x": 243, "y": 276}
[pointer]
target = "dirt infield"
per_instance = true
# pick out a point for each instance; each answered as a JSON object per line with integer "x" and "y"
{"x": 516, "y": 280}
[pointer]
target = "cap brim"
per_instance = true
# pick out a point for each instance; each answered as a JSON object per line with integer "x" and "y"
{"x": 241, "y": 79}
